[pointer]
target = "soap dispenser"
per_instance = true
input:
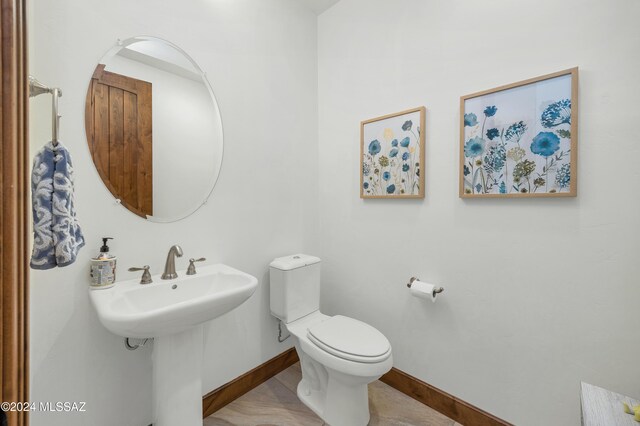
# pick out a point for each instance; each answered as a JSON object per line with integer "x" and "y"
{"x": 103, "y": 267}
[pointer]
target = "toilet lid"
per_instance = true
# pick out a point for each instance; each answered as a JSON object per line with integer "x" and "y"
{"x": 350, "y": 339}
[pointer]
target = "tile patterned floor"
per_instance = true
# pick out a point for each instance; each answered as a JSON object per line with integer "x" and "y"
{"x": 275, "y": 403}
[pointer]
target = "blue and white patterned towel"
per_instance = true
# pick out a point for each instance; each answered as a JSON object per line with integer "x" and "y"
{"x": 56, "y": 231}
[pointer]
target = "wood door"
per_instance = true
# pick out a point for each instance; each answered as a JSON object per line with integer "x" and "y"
{"x": 118, "y": 124}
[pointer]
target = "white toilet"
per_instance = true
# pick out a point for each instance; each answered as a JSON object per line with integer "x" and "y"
{"x": 339, "y": 355}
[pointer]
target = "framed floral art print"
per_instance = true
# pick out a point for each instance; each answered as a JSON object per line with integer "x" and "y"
{"x": 392, "y": 155}
{"x": 521, "y": 140}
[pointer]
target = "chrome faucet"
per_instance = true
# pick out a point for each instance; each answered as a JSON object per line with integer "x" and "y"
{"x": 170, "y": 265}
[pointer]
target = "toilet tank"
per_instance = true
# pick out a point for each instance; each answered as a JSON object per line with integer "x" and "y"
{"x": 294, "y": 286}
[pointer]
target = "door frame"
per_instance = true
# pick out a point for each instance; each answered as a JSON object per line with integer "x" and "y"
{"x": 14, "y": 202}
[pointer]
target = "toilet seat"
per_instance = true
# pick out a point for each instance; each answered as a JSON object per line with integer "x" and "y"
{"x": 350, "y": 339}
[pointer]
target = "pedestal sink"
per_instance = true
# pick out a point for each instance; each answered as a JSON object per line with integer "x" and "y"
{"x": 172, "y": 312}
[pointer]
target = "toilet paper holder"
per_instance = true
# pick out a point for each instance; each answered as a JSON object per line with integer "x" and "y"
{"x": 436, "y": 290}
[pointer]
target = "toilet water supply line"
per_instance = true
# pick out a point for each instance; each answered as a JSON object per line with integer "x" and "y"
{"x": 280, "y": 339}
{"x": 129, "y": 346}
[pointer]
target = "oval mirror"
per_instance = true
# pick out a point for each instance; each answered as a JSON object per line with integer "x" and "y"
{"x": 154, "y": 129}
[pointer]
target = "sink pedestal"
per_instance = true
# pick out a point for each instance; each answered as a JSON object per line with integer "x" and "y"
{"x": 177, "y": 378}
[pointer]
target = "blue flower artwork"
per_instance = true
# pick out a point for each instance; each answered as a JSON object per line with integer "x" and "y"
{"x": 545, "y": 144}
{"x": 493, "y": 133}
{"x": 474, "y": 147}
{"x": 490, "y": 111}
{"x": 374, "y": 147}
{"x": 518, "y": 141}
{"x": 392, "y": 156}
{"x": 470, "y": 119}
{"x": 557, "y": 113}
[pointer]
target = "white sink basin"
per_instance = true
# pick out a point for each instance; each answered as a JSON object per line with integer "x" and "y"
{"x": 165, "y": 307}
{"x": 172, "y": 311}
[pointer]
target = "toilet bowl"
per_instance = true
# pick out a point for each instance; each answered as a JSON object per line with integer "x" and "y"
{"x": 339, "y": 356}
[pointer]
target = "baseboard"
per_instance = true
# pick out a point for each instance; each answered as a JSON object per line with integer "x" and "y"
{"x": 218, "y": 398}
{"x": 452, "y": 407}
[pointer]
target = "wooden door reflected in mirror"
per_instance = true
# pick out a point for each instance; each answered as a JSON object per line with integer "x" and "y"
{"x": 119, "y": 131}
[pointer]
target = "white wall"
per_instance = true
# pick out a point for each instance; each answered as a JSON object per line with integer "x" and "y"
{"x": 540, "y": 293}
{"x": 186, "y": 146}
{"x": 260, "y": 57}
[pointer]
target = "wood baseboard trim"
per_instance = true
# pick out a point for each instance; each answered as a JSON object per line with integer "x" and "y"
{"x": 447, "y": 404}
{"x": 218, "y": 398}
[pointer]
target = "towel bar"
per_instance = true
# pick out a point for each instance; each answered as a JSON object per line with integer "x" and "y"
{"x": 36, "y": 88}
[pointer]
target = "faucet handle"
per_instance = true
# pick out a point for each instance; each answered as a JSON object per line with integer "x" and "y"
{"x": 191, "y": 270}
{"x": 146, "y": 275}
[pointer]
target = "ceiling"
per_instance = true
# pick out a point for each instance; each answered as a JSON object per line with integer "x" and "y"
{"x": 319, "y": 6}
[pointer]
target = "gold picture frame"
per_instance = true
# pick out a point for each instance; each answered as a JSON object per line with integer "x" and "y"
{"x": 521, "y": 139}
{"x": 392, "y": 155}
